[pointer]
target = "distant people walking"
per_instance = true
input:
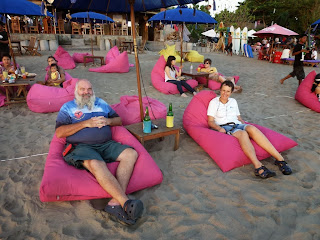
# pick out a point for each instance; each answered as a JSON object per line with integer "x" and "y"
{"x": 229, "y": 46}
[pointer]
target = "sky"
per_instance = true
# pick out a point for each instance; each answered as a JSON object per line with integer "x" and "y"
{"x": 221, "y": 5}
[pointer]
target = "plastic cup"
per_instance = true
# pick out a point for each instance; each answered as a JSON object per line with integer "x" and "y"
{"x": 5, "y": 74}
{"x": 23, "y": 70}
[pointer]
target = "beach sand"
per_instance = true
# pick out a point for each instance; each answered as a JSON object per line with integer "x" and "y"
{"x": 196, "y": 200}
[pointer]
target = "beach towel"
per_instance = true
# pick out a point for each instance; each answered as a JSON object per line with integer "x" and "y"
{"x": 224, "y": 149}
{"x": 62, "y": 182}
{"x": 158, "y": 81}
{"x": 129, "y": 109}
{"x": 64, "y": 59}
{"x": 304, "y": 94}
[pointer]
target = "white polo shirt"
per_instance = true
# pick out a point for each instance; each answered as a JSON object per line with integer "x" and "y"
{"x": 224, "y": 113}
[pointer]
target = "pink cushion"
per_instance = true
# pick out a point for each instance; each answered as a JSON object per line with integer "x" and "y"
{"x": 158, "y": 80}
{"x": 78, "y": 57}
{"x": 120, "y": 64}
{"x": 304, "y": 94}
{"x": 61, "y": 182}
{"x": 224, "y": 149}
{"x": 2, "y": 100}
{"x": 112, "y": 54}
{"x": 64, "y": 59}
{"x": 129, "y": 110}
{"x": 44, "y": 99}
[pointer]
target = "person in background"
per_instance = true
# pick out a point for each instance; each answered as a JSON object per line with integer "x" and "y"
{"x": 6, "y": 66}
{"x": 4, "y": 48}
{"x": 54, "y": 77}
{"x": 316, "y": 86}
{"x": 52, "y": 60}
{"x": 314, "y": 54}
{"x": 229, "y": 45}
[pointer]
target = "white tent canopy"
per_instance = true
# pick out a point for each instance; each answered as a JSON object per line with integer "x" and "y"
{"x": 251, "y": 32}
{"x": 210, "y": 33}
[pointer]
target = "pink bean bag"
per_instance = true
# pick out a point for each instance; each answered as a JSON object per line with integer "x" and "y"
{"x": 112, "y": 54}
{"x": 78, "y": 57}
{"x": 158, "y": 81}
{"x": 213, "y": 85}
{"x": 2, "y": 100}
{"x": 64, "y": 59}
{"x": 44, "y": 99}
{"x": 129, "y": 109}
{"x": 224, "y": 149}
{"x": 304, "y": 94}
{"x": 62, "y": 182}
{"x": 120, "y": 64}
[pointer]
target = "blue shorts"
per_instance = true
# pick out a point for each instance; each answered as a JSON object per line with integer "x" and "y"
{"x": 230, "y": 129}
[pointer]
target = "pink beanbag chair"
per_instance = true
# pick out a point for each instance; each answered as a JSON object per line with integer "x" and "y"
{"x": 158, "y": 81}
{"x": 44, "y": 99}
{"x": 213, "y": 85}
{"x": 224, "y": 149}
{"x": 64, "y": 59}
{"x": 304, "y": 94}
{"x": 2, "y": 100}
{"x": 120, "y": 64}
{"x": 78, "y": 57}
{"x": 112, "y": 54}
{"x": 62, "y": 182}
{"x": 129, "y": 109}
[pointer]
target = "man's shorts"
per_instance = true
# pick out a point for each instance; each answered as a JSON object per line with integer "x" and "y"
{"x": 231, "y": 129}
{"x": 298, "y": 72}
{"x": 107, "y": 152}
{"x": 229, "y": 47}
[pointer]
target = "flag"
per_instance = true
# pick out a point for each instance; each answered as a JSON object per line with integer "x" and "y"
{"x": 214, "y": 5}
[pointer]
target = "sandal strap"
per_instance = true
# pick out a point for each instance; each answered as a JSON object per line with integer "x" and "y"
{"x": 266, "y": 172}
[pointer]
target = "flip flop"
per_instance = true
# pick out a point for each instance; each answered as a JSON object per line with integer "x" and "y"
{"x": 117, "y": 213}
{"x": 133, "y": 208}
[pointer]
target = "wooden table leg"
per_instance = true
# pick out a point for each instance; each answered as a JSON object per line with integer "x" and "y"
{"x": 7, "y": 94}
{"x": 176, "y": 141}
{"x": 85, "y": 61}
{"x": 207, "y": 82}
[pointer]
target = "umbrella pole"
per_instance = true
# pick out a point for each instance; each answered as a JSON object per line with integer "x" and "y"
{"x": 91, "y": 39}
{"x": 181, "y": 42}
{"x": 133, "y": 30}
{"x": 10, "y": 46}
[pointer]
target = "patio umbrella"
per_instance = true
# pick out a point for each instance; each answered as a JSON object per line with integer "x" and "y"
{"x": 210, "y": 33}
{"x": 122, "y": 6}
{"x": 316, "y": 23}
{"x": 87, "y": 16}
{"x": 19, "y": 7}
{"x": 251, "y": 32}
{"x": 273, "y": 30}
{"x": 183, "y": 14}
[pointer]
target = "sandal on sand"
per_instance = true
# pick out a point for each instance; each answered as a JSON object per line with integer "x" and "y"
{"x": 265, "y": 174}
{"x": 133, "y": 208}
{"x": 117, "y": 213}
{"x": 239, "y": 90}
{"x": 283, "y": 167}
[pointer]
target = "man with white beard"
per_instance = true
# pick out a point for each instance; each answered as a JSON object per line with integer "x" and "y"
{"x": 85, "y": 123}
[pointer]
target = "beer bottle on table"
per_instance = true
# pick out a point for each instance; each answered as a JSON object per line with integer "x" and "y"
{"x": 147, "y": 122}
{"x": 170, "y": 117}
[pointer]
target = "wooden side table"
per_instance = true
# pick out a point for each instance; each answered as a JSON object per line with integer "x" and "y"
{"x": 194, "y": 74}
{"x": 162, "y": 131}
{"x": 93, "y": 57}
{"x": 18, "y": 96}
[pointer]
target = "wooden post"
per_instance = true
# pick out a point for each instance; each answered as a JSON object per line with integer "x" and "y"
{"x": 181, "y": 41}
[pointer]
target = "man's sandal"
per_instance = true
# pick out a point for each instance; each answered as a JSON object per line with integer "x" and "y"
{"x": 133, "y": 208}
{"x": 283, "y": 167}
{"x": 265, "y": 174}
{"x": 117, "y": 213}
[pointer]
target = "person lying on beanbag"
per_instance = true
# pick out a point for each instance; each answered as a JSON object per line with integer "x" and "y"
{"x": 316, "y": 86}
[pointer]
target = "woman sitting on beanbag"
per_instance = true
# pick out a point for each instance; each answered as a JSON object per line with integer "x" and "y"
{"x": 224, "y": 116}
{"x": 316, "y": 86}
{"x": 170, "y": 74}
{"x": 214, "y": 75}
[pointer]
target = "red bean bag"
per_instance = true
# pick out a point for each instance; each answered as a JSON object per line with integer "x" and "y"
{"x": 158, "y": 80}
{"x": 62, "y": 182}
{"x": 119, "y": 64}
{"x": 44, "y": 99}
{"x": 213, "y": 85}
{"x": 64, "y": 59}
{"x": 304, "y": 94}
{"x": 224, "y": 149}
{"x": 129, "y": 109}
{"x": 78, "y": 57}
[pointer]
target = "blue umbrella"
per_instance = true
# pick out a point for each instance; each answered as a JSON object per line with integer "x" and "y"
{"x": 83, "y": 17}
{"x": 183, "y": 15}
{"x": 126, "y": 6}
{"x": 316, "y": 25}
{"x": 21, "y": 7}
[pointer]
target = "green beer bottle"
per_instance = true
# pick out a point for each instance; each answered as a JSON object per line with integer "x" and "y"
{"x": 147, "y": 122}
{"x": 170, "y": 117}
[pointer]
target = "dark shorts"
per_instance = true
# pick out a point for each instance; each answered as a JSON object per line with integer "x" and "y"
{"x": 107, "y": 152}
{"x": 298, "y": 72}
{"x": 229, "y": 47}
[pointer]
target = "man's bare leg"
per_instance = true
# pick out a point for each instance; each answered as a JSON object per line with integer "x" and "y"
{"x": 283, "y": 79}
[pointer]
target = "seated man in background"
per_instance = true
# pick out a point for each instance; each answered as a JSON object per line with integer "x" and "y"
{"x": 85, "y": 123}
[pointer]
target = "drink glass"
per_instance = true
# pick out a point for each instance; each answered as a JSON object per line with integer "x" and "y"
{"x": 23, "y": 70}
{"x": 5, "y": 74}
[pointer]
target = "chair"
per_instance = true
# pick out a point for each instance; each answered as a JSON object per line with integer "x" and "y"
{"x": 122, "y": 46}
{"x": 124, "y": 28}
{"x": 46, "y": 27}
{"x": 31, "y": 49}
{"x": 60, "y": 27}
{"x": 33, "y": 29}
{"x": 142, "y": 47}
{"x": 85, "y": 27}
{"x": 15, "y": 25}
{"x": 76, "y": 28}
{"x": 98, "y": 29}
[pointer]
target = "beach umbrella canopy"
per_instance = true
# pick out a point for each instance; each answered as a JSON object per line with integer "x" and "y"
{"x": 122, "y": 6}
{"x": 316, "y": 23}
{"x": 210, "y": 33}
{"x": 21, "y": 7}
{"x": 183, "y": 14}
{"x": 273, "y": 30}
{"x": 251, "y": 32}
{"x": 97, "y": 17}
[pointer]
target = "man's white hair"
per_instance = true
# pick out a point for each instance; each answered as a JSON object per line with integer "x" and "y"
{"x": 80, "y": 101}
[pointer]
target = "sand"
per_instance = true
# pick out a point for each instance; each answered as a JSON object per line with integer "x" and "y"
{"x": 196, "y": 200}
